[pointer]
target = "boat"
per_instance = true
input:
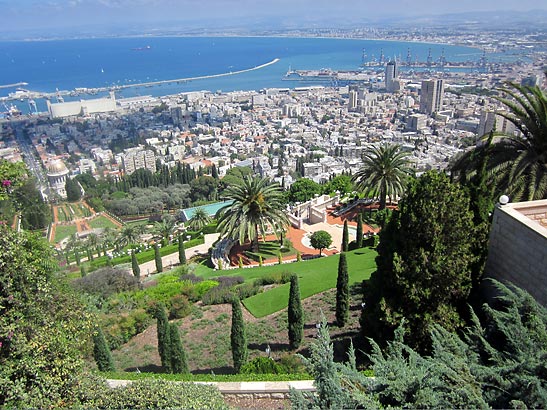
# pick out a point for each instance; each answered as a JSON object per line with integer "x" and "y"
{"x": 141, "y": 48}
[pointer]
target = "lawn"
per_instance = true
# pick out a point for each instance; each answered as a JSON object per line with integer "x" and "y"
{"x": 102, "y": 222}
{"x": 63, "y": 231}
{"x": 271, "y": 249}
{"x": 314, "y": 276}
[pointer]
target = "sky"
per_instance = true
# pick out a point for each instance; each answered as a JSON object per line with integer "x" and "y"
{"x": 36, "y": 15}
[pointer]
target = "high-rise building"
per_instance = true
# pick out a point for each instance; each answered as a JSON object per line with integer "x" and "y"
{"x": 137, "y": 158}
{"x": 490, "y": 121}
{"x": 431, "y": 97}
{"x": 392, "y": 77}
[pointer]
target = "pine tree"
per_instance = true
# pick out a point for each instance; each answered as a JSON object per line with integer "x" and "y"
{"x": 177, "y": 353}
{"x": 294, "y": 314}
{"x": 135, "y": 265}
{"x": 101, "y": 352}
{"x": 182, "y": 251}
{"x": 163, "y": 336}
{"x": 157, "y": 257}
{"x": 359, "y": 234}
{"x": 345, "y": 237}
{"x": 238, "y": 338}
{"x": 342, "y": 292}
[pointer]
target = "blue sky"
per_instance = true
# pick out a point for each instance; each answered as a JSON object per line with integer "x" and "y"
{"x": 59, "y": 14}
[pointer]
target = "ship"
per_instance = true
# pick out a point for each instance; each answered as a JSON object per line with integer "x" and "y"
{"x": 141, "y": 48}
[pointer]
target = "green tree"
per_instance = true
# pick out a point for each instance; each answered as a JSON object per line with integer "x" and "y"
{"x": 43, "y": 329}
{"x": 177, "y": 353}
{"x": 384, "y": 172}
{"x": 517, "y": 164}
{"x": 203, "y": 188}
{"x": 12, "y": 175}
{"x": 165, "y": 228}
{"x": 182, "y": 251}
{"x": 424, "y": 263}
{"x": 164, "y": 340}
{"x": 157, "y": 258}
{"x": 199, "y": 219}
{"x": 342, "y": 292}
{"x": 340, "y": 183}
{"x": 128, "y": 235}
{"x": 345, "y": 237}
{"x": 295, "y": 317}
{"x": 257, "y": 204}
{"x": 72, "y": 188}
{"x": 498, "y": 363}
{"x": 101, "y": 352}
{"x": 320, "y": 240}
{"x": 359, "y": 232}
{"x": 238, "y": 338}
{"x": 135, "y": 265}
{"x": 303, "y": 190}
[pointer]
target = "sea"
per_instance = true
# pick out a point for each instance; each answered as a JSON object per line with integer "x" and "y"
{"x": 48, "y": 66}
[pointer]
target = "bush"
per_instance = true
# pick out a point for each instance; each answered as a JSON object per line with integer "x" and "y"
{"x": 119, "y": 328}
{"x": 151, "y": 393}
{"x": 246, "y": 290}
{"x": 266, "y": 280}
{"x": 106, "y": 282}
{"x": 218, "y": 295}
{"x": 292, "y": 364}
{"x": 229, "y": 281}
{"x": 191, "y": 278}
{"x": 261, "y": 365}
{"x": 180, "y": 307}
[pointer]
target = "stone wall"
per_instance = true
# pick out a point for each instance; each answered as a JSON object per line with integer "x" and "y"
{"x": 518, "y": 247}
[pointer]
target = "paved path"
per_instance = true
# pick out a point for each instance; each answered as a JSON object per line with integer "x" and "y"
{"x": 149, "y": 268}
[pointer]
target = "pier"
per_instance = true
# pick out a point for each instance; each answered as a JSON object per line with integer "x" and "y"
{"x": 21, "y": 84}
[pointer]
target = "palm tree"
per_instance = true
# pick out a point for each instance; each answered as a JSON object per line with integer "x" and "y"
{"x": 384, "y": 172}
{"x": 165, "y": 228}
{"x": 257, "y": 204}
{"x": 128, "y": 235}
{"x": 199, "y": 219}
{"x": 517, "y": 164}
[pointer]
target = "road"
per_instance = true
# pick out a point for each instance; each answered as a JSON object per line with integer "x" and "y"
{"x": 29, "y": 155}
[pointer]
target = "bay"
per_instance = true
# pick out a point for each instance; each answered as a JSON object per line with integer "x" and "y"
{"x": 48, "y": 66}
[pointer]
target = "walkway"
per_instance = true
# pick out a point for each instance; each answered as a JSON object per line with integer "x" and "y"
{"x": 172, "y": 259}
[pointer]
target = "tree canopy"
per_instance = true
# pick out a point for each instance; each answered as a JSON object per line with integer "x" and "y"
{"x": 303, "y": 190}
{"x": 424, "y": 262}
{"x": 517, "y": 163}
{"x": 384, "y": 172}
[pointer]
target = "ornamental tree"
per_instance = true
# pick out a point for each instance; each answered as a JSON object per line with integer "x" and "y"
{"x": 342, "y": 292}
{"x": 320, "y": 240}
{"x": 424, "y": 263}
{"x": 295, "y": 316}
{"x": 238, "y": 338}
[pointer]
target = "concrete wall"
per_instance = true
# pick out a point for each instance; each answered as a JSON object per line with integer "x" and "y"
{"x": 518, "y": 247}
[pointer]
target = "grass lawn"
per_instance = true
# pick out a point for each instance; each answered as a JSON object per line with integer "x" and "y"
{"x": 63, "y": 231}
{"x": 314, "y": 276}
{"x": 102, "y": 222}
{"x": 269, "y": 250}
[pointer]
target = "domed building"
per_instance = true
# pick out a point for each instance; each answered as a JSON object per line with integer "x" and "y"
{"x": 57, "y": 173}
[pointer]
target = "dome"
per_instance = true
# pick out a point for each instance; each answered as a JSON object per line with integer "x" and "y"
{"x": 56, "y": 167}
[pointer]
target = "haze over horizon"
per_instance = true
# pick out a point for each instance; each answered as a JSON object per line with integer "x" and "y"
{"x": 56, "y": 16}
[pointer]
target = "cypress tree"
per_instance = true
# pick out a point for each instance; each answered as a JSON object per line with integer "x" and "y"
{"x": 342, "y": 292}
{"x": 101, "y": 352}
{"x": 294, "y": 313}
{"x": 345, "y": 237}
{"x": 182, "y": 251}
{"x": 82, "y": 271}
{"x": 164, "y": 345}
{"x": 135, "y": 265}
{"x": 177, "y": 353}
{"x": 157, "y": 257}
{"x": 359, "y": 234}
{"x": 238, "y": 338}
{"x": 77, "y": 257}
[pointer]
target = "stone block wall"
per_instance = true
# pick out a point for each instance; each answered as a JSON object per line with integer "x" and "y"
{"x": 518, "y": 247}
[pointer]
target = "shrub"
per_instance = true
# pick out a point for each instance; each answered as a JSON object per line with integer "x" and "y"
{"x": 218, "y": 295}
{"x": 190, "y": 277}
{"x": 261, "y": 365}
{"x": 180, "y": 307}
{"x": 266, "y": 280}
{"x": 152, "y": 393}
{"x": 286, "y": 277}
{"x": 229, "y": 281}
{"x": 119, "y": 328}
{"x": 246, "y": 290}
{"x": 106, "y": 282}
{"x": 292, "y": 364}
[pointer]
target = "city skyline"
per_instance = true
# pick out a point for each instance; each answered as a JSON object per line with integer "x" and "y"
{"x": 112, "y": 15}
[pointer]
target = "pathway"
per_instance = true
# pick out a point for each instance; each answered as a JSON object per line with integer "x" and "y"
{"x": 172, "y": 259}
